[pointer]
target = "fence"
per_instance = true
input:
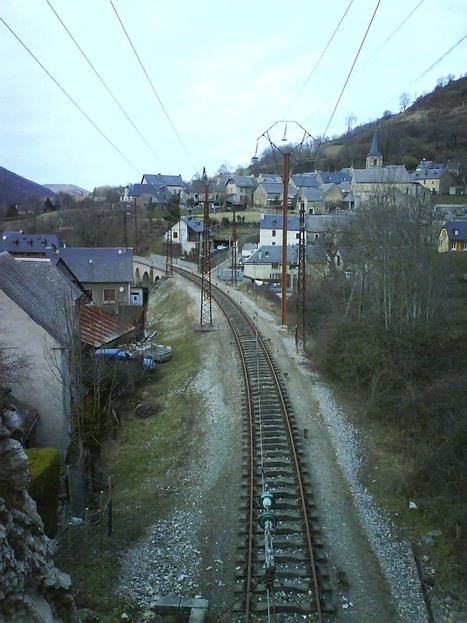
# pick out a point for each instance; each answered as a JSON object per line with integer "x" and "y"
{"x": 89, "y": 530}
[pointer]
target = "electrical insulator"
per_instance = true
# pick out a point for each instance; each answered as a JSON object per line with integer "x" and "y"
{"x": 267, "y": 500}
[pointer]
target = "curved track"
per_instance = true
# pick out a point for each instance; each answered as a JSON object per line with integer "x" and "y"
{"x": 281, "y": 561}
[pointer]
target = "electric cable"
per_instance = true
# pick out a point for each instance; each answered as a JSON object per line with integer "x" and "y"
{"x": 70, "y": 98}
{"x": 152, "y": 86}
{"x": 319, "y": 60}
{"x": 348, "y": 76}
{"x": 103, "y": 83}
{"x": 424, "y": 73}
{"x": 388, "y": 38}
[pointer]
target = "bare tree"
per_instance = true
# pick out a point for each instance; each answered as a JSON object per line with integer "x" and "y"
{"x": 401, "y": 267}
{"x": 404, "y": 101}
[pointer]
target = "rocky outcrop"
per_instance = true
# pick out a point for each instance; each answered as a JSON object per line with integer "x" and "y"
{"x": 32, "y": 589}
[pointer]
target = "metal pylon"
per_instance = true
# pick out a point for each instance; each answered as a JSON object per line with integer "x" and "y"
{"x": 300, "y": 333}
{"x": 206, "y": 302}
{"x": 233, "y": 250}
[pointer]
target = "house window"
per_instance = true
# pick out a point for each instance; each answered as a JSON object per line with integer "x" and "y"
{"x": 109, "y": 295}
{"x": 456, "y": 232}
{"x": 453, "y": 245}
{"x": 273, "y": 233}
{"x": 316, "y": 236}
{"x": 297, "y": 236}
{"x": 175, "y": 234}
{"x": 88, "y": 293}
{"x": 273, "y": 244}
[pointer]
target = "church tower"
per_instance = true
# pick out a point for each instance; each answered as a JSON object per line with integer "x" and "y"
{"x": 374, "y": 160}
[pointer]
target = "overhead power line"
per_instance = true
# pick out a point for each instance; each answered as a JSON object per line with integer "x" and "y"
{"x": 152, "y": 86}
{"x": 390, "y": 37}
{"x": 348, "y": 76}
{"x": 103, "y": 83}
{"x": 70, "y": 98}
{"x": 318, "y": 61}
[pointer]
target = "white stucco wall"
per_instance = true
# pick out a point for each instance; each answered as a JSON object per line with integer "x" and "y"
{"x": 43, "y": 389}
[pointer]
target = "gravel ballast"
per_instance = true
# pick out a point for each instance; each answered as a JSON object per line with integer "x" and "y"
{"x": 193, "y": 551}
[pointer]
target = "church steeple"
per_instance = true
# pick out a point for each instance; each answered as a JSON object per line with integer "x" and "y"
{"x": 374, "y": 159}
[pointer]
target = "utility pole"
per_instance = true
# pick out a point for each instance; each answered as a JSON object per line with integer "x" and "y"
{"x": 286, "y": 153}
{"x": 300, "y": 334}
{"x": 206, "y": 302}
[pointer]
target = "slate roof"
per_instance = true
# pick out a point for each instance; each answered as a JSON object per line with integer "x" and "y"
{"x": 41, "y": 290}
{"x": 99, "y": 264}
{"x": 274, "y": 221}
{"x": 312, "y": 194}
{"x": 320, "y": 223}
{"x": 140, "y": 190}
{"x": 277, "y": 188}
{"x": 395, "y": 174}
{"x": 268, "y": 254}
{"x": 427, "y": 174}
{"x": 316, "y": 254}
{"x": 457, "y": 230}
{"x": 18, "y": 242}
{"x": 165, "y": 180}
{"x": 243, "y": 181}
{"x": 305, "y": 180}
{"x": 98, "y": 327}
{"x": 193, "y": 223}
{"x": 374, "y": 146}
{"x": 334, "y": 177}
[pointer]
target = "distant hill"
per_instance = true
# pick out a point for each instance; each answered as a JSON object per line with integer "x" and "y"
{"x": 70, "y": 189}
{"x": 434, "y": 127}
{"x": 17, "y": 189}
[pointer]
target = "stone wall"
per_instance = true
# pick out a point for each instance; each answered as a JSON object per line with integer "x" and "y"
{"x": 32, "y": 589}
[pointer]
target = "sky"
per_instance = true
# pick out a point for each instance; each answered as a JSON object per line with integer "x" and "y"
{"x": 172, "y": 87}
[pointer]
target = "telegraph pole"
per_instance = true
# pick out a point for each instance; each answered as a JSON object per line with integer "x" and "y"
{"x": 206, "y": 302}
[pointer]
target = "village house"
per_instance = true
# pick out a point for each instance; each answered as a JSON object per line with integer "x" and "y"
{"x": 106, "y": 274}
{"x": 21, "y": 244}
{"x": 38, "y": 321}
{"x": 186, "y": 236}
{"x": 322, "y": 200}
{"x": 270, "y": 195}
{"x": 241, "y": 188}
{"x": 270, "y": 232}
{"x": 453, "y": 236}
{"x": 265, "y": 265}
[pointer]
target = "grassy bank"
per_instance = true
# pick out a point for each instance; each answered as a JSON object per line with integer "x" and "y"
{"x": 156, "y": 421}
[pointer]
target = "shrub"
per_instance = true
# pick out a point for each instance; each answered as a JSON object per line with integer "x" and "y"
{"x": 44, "y": 467}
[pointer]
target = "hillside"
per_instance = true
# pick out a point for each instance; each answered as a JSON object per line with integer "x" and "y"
{"x": 17, "y": 189}
{"x": 434, "y": 127}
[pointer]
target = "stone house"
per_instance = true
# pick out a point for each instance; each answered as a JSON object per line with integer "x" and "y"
{"x": 241, "y": 188}
{"x": 270, "y": 194}
{"x": 187, "y": 236}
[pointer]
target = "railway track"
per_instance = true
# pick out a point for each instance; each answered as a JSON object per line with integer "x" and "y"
{"x": 281, "y": 563}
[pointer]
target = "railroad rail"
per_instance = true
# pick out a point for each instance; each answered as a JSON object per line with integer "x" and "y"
{"x": 282, "y": 565}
